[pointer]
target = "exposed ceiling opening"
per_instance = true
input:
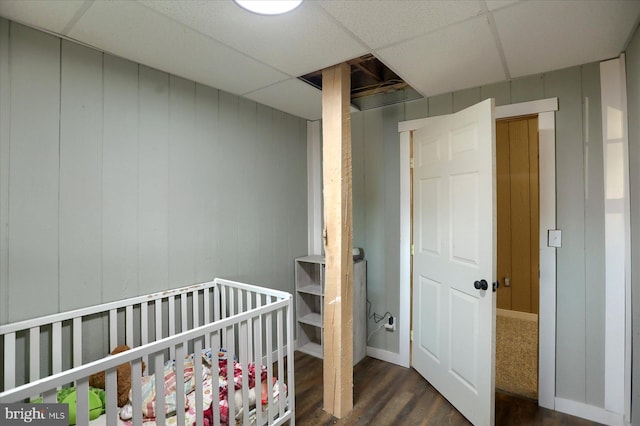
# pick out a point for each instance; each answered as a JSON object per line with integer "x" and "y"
{"x": 373, "y": 84}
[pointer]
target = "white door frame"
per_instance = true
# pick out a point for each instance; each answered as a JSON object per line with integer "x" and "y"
{"x": 547, "y": 165}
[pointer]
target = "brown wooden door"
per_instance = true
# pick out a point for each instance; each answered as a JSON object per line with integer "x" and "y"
{"x": 518, "y": 214}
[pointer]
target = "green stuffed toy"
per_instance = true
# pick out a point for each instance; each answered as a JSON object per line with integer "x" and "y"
{"x": 68, "y": 396}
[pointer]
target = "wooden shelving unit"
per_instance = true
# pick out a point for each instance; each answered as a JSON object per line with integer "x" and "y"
{"x": 310, "y": 282}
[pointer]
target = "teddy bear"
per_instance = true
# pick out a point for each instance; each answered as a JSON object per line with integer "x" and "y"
{"x": 124, "y": 377}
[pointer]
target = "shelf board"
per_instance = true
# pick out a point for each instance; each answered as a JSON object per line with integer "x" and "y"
{"x": 313, "y": 349}
{"x": 314, "y": 289}
{"x": 311, "y": 259}
{"x": 312, "y": 319}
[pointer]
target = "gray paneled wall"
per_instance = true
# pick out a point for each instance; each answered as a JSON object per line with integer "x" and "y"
{"x": 633, "y": 99}
{"x": 580, "y": 201}
{"x": 118, "y": 180}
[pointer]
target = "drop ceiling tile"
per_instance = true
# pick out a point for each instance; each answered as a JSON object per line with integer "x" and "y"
{"x": 455, "y": 58}
{"x": 132, "y": 31}
{"x": 382, "y": 23}
{"x": 301, "y": 99}
{"x": 305, "y": 40}
{"x": 46, "y": 14}
{"x": 539, "y": 36}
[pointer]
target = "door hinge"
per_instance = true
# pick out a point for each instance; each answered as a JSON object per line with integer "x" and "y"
{"x": 411, "y": 336}
{"x": 411, "y": 164}
{"x": 412, "y": 249}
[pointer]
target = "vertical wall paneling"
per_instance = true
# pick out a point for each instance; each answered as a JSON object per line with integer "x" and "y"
{"x": 126, "y": 181}
{"x": 632, "y": 60}
{"x": 571, "y": 341}
{"x": 527, "y": 89}
{"x": 501, "y": 92}
{"x": 33, "y": 173}
{"x": 314, "y": 188}
{"x": 358, "y": 179}
{"x": 374, "y": 164}
{"x": 391, "y": 154}
{"x": 616, "y": 206}
{"x": 281, "y": 217}
{"x": 206, "y": 128}
{"x": 441, "y": 104}
{"x": 296, "y": 131}
{"x": 120, "y": 179}
{"x": 182, "y": 197}
{"x": 5, "y": 118}
{"x": 246, "y": 179}
{"x": 229, "y": 167}
{"x": 264, "y": 187}
{"x": 153, "y": 181}
{"x": 80, "y": 176}
{"x": 416, "y": 109}
{"x": 594, "y": 234}
{"x": 465, "y": 98}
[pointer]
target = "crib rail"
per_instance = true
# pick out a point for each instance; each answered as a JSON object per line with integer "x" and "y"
{"x": 249, "y": 321}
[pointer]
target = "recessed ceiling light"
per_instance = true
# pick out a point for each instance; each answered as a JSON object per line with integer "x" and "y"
{"x": 269, "y": 7}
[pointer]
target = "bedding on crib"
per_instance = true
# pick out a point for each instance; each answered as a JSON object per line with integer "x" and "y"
{"x": 213, "y": 385}
{"x": 243, "y": 381}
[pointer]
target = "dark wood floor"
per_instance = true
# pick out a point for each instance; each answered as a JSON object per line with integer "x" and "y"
{"x": 386, "y": 394}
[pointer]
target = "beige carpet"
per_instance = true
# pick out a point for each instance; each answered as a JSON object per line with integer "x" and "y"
{"x": 517, "y": 353}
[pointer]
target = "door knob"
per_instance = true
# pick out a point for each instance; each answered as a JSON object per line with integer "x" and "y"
{"x": 481, "y": 285}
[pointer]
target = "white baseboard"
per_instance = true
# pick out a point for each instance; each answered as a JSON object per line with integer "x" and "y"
{"x": 589, "y": 412}
{"x": 382, "y": 355}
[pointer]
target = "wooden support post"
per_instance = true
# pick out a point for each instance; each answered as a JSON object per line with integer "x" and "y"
{"x": 338, "y": 241}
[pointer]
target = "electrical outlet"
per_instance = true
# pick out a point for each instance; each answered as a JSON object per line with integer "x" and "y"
{"x": 391, "y": 324}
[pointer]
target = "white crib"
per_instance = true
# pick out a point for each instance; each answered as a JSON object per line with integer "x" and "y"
{"x": 253, "y": 324}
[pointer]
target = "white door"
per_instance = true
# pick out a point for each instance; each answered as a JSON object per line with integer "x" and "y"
{"x": 454, "y": 252}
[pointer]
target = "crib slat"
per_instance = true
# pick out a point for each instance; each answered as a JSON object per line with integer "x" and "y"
{"x": 172, "y": 324}
{"x": 197, "y": 371}
{"x": 232, "y": 302}
{"x": 206, "y": 306}
{"x": 113, "y": 329}
{"x": 129, "y": 326}
{"x": 223, "y": 302}
{"x": 280, "y": 346}
{"x": 82, "y": 401}
{"x": 9, "y": 360}
{"x": 50, "y": 396}
{"x": 244, "y": 361}
{"x": 144, "y": 328}
{"x": 215, "y": 378}
{"x": 230, "y": 345}
{"x": 158, "y": 312}
{"x": 77, "y": 341}
{"x": 34, "y": 354}
{"x": 290, "y": 395}
{"x": 250, "y": 336}
{"x": 216, "y": 302}
{"x": 184, "y": 323}
{"x": 195, "y": 308}
{"x": 136, "y": 391}
{"x": 180, "y": 402}
{"x": 269, "y": 351}
{"x": 205, "y": 317}
{"x": 56, "y": 347}
{"x": 111, "y": 389}
{"x": 158, "y": 365}
{"x": 257, "y": 336}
